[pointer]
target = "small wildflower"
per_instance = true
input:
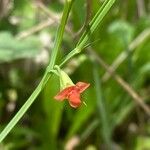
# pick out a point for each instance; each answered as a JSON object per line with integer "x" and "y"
{"x": 72, "y": 93}
{"x": 69, "y": 90}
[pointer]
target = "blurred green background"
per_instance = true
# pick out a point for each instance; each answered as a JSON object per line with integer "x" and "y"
{"x": 111, "y": 119}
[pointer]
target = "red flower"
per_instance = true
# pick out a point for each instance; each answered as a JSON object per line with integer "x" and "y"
{"x": 72, "y": 93}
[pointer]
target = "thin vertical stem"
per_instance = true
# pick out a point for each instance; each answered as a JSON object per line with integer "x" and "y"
{"x": 59, "y": 36}
{"x": 92, "y": 27}
{"x": 47, "y": 75}
{"x": 59, "y": 33}
{"x": 103, "y": 114}
{"x": 95, "y": 22}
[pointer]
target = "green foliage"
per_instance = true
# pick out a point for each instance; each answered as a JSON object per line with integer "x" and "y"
{"x": 143, "y": 143}
{"x": 122, "y": 30}
{"x": 53, "y": 112}
{"x": 12, "y": 49}
{"x": 111, "y": 118}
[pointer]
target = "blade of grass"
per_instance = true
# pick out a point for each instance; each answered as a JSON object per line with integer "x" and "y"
{"x": 132, "y": 46}
{"x": 103, "y": 114}
{"x": 136, "y": 97}
{"x": 91, "y": 127}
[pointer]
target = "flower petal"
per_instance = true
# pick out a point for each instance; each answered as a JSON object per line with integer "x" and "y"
{"x": 74, "y": 99}
{"x": 82, "y": 86}
{"x": 64, "y": 93}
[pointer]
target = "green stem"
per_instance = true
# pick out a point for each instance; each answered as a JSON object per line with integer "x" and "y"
{"x": 92, "y": 21}
{"x": 103, "y": 114}
{"x": 92, "y": 27}
{"x": 95, "y": 22}
{"x": 47, "y": 75}
{"x": 59, "y": 36}
{"x": 23, "y": 109}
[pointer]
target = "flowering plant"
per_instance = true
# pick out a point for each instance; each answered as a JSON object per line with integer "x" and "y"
{"x": 69, "y": 90}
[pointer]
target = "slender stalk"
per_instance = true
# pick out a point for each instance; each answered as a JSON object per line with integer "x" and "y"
{"x": 95, "y": 22}
{"x": 22, "y": 111}
{"x": 132, "y": 46}
{"x": 106, "y": 128}
{"x": 92, "y": 21}
{"x": 92, "y": 27}
{"x": 136, "y": 97}
{"x": 59, "y": 36}
{"x": 47, "y": 75}
{"x": 90, "y": 128}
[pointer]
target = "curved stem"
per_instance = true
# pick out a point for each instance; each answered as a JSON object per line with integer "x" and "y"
{"x": 47, "y": 75}
{"x": 59, "y": 36}
{"x": 23, "y": 109}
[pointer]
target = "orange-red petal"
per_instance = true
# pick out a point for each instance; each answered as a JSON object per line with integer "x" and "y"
{"x": 72, "y": 94}
{"x": 82, "y": 86}
{"x": 74, "y": 99}
{"x": 64, "y": 93}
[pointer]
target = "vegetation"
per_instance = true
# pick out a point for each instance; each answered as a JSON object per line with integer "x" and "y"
{"x": 101, "y": 42}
